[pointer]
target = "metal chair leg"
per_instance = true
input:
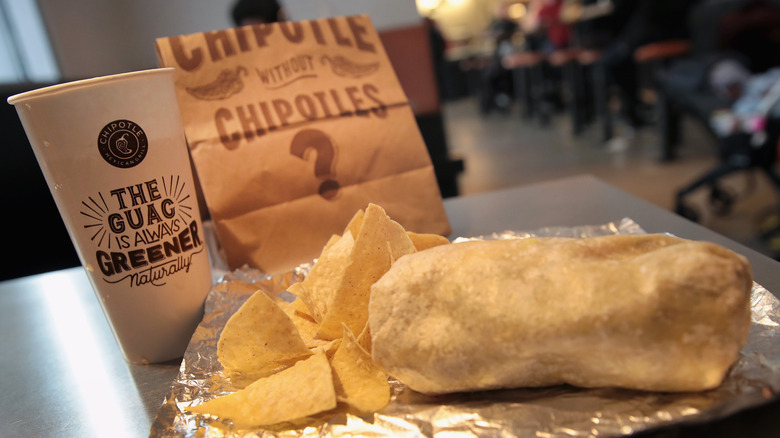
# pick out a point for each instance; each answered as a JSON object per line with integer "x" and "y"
{"x": 601, "y": 96}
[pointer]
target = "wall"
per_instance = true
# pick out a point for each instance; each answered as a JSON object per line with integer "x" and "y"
{"x": 385, "y": 14}
{"x": 100, "y": 37}
{"x": 465, "y": 19}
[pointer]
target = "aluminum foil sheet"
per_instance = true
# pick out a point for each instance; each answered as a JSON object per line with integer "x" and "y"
{"x": 560, "y": 411}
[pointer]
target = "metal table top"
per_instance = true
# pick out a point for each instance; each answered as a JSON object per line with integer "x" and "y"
{"x": 61, "y": 372}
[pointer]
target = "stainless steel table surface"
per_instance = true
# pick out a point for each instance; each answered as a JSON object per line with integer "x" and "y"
{"x": 62, "y": 374}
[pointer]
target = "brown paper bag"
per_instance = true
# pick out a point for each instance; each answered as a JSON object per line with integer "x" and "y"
{"x": 295, "y": 126}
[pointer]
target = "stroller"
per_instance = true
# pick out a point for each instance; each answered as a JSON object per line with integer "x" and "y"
{"x": 728, "y": 84}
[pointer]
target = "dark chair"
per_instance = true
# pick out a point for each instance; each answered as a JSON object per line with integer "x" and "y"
{"x": 587, "y": 91}
{"x": 594, "y": 30}
{"x": 526, "y": 68}
{"x": 543, "y": 82}
{"x": 573, "y": 85}
{"x": 584, "y": 75}
{"x": 685, "y": 91}
{"x": 475, "y": 68}
{"x": 653, "y": 59}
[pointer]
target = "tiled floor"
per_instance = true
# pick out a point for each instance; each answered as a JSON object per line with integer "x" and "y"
{"x": 503, "y": 150}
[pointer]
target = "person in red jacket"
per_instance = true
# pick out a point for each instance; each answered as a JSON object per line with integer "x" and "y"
{"x": 544, "y": 21}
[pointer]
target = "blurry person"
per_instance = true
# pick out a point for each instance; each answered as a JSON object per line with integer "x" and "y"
{"x": 648, "y": 21}
{"x": 544, "y": 28}
{"x": 497, "y": 79}
{"x": 248, "y": 12}
{"x": 546, "y": 32}
{"x": 503, "y": 28}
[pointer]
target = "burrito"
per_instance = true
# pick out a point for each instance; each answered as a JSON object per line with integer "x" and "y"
{"x": 646, "y": 312}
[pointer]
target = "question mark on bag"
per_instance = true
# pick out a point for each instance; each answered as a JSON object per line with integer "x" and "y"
{"x": 313, "y": 140}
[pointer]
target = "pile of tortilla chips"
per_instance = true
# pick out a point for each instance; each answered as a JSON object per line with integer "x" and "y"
{"x": 312, "y": 355}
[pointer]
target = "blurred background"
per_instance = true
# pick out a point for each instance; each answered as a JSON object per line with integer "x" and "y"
{"x": 673, "y": 101}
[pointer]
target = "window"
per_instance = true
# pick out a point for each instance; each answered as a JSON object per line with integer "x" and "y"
{"x": 25, "y": 52}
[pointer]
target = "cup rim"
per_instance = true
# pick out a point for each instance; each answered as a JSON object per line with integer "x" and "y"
{"x": 72, "y": 85}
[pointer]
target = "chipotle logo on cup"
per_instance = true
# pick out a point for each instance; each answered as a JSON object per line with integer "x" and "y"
{"x": 123, "y": 144}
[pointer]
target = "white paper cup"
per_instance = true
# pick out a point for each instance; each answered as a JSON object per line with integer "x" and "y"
{"x": 113, "y": 152}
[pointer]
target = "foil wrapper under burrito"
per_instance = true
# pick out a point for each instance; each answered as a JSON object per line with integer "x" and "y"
{"x": 560, "y": 411}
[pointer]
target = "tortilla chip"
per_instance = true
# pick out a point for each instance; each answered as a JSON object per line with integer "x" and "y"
{"x": 424, "y": 241}
{"x": 364, "y": 338}
{"x": 327, "y": 347}
{"x": 304, "y": 389}
{"x": 325, "y": 276}
{"x": 355, "y": 223}
{"x": 287, "y": 307}
{"x": 298, "y": 305}
{"x": 259, "y": 338}
{"x": 333, "y": 239}
{"x": 359, "y": 383}
{"x": 379, "y": 243}
{"x": 312, "y": 335}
